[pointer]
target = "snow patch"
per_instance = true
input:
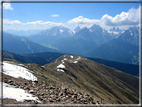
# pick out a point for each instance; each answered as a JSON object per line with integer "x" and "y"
{"x": 114, "y": 32}
{"x": 60, "y": 70}
{"x": 71, "y": 56}
{"x": 17, "y": 71}
{"x": 16, "y": 93}
{"x": 91, "y": 30}
{"x": 75, "y": 62}
{"x": 63, "y": 62}
{"x": 61, "y": 31}
{"x": 78, "y": 58}
{"x": 61, "y": 66}
{"x": 131, "y": 34}
{"x": 65, "y": 59}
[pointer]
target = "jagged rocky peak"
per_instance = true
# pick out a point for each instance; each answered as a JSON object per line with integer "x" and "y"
{"x": 95, "y": 27}
{"x": 77, "y": 29}
{"x": 131, "y": 36}
{"x": 116, "y": 29}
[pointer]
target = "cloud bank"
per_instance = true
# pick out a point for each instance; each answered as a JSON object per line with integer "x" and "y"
{"x": 7, "y": 6}
{"x": 40, "y": 22}
{"x": 124, "y": 19}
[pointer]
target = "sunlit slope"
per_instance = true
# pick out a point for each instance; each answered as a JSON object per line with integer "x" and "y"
{"x": 99, "y": 80}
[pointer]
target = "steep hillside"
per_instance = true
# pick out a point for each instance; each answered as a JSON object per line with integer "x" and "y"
{"x": 84, "y": 77}
{"x": 22, "y": 46}
{"x": 98, "y": 80}
{"x": 24, "y": 58}
{"x": 32, "y": 84}
{"x": 48, "y": 56}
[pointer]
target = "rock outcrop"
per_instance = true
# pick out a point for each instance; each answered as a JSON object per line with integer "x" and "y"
{"x": 49, "y": 94}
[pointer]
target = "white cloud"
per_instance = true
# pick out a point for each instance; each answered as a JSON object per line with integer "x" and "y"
{"x": 16, "y": 24}
{"x": 82, "y": 20}
{"x": 6, "y": 21}
{"x": 40, "y": 22}
{"x": 123, "y": 21}
{"x": 7, "y": 6}
{"x": 125, "y": 18}
{"x": 55, "y": 15}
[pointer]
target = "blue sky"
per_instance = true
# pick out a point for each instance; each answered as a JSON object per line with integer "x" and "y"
{"x": 25, "y": 16}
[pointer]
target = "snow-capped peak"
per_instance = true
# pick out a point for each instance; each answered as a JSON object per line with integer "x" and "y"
{"x": 61, "y": 31}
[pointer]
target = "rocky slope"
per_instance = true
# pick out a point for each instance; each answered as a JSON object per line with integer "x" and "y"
{"x": 99, "y": 80}
{"x": 49, "y": 94}
{"x": 77, "y": 80}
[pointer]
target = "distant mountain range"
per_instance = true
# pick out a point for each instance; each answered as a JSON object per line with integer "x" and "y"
{"x": 23, "y": 32}
{"x": 51, "y": 36}
{"x": 115, "y": 44}
{"x": 125, "y": 48}
{"x": 19, "y": 45}
{"x": 82, "y": 40}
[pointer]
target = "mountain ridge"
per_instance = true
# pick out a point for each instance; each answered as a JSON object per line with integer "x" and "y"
{"x": 47, "y": 57}
{"x": 119, "y": 49}
{"x": 19, "y": 45}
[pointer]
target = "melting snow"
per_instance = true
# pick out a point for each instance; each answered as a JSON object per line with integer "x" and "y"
{"x": 61, "y": 66}
{"x": 71, "y": 56}
{"x": 75, "y": 62}
{"x": 65, "y": 59}
{"x": 63, "y": 62}
{"x": 61, "y": 70}
{"x": 16, "y": 93}
{"x": 73, "y": 31}
{"x": 78, "y": 58}
{"x": 17, "y": 71}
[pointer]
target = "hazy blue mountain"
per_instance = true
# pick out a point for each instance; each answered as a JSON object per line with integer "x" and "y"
{"x": 74, "y": 42}
{"x": 22, "y": 32}
{"x": 116, "y": 29}
{"x": 24, "y": 58}
{"x": 22, "y": 46}
{"x": 48, "y": 56}
{"x": 84, "y": 40}
{"x": 123, "y": 49}
{"x": 51, "y": 36}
